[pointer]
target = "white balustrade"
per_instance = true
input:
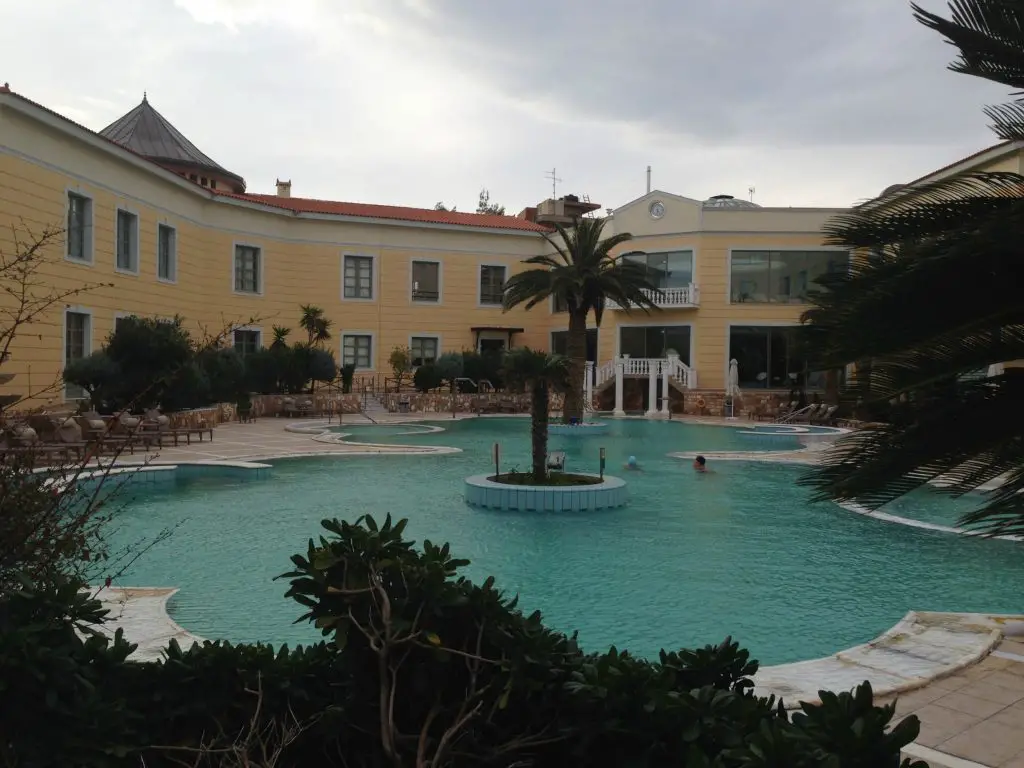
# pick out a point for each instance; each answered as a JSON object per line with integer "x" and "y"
{"x": 668, "y": 298}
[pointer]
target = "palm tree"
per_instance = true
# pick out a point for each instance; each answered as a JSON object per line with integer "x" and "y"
{"x": 932, "y": 299}
{"x": 540, "y": 373}
{"x": 315, "y": 324}
{"x": 280, "y": 337}
{"x": 581, "y": 275}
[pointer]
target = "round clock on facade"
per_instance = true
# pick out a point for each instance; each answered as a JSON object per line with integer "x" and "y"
{"x": 657, "y": 209}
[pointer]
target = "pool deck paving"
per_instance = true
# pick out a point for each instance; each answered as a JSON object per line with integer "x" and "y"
{"x": 962, "y": 675}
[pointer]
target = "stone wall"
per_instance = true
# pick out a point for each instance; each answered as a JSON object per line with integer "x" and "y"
{"x": 439, "y": 402}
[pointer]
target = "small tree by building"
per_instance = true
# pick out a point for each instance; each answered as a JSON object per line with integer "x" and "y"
{"x": 400, "y": 361}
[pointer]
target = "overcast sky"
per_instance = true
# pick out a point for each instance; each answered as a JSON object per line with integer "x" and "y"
{"x": 407, "y": 102}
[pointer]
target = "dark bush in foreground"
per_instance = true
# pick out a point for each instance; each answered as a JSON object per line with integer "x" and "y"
{"x": 420, "y": 667}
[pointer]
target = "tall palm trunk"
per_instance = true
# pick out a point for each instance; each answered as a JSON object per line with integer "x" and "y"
{"x": 539, "y": 404}
{"x": 576, "y": 349}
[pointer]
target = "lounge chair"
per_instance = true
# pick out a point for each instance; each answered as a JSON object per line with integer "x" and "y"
{"x": 810, "y": 414}
{"x": 826, "y": 416}
{"x": 60, "y": 432}
{"x": 161, "y": 423}
{"x": 95, "y": 430}
{"x": 507, "y": 405}
{"x": 556, "y": 461}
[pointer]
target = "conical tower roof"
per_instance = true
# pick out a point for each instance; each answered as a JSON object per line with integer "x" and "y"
{"x": 146, "y": 132}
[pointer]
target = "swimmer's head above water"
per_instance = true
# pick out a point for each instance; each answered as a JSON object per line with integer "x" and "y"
{"x": 631, "y": 462}
{"x": 700, "y": 464}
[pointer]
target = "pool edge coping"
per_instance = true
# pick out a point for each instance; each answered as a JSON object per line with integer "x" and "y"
{"x": 984, "y": 631}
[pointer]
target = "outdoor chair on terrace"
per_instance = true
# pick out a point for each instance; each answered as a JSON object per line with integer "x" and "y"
{"x": 556, "y": 461}
{"x": 60, "y": 432}
{"x": 135, "y": 429}
{"x": 810, "y": 414}
{"x": 95, "y": 430}
{"x": 826, "y": 416}
{"x": 507, "y": 405}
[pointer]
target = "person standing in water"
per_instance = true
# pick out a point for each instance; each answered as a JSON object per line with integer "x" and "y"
{"x": 631, "y": 465}
{"x": 700, "y": 464}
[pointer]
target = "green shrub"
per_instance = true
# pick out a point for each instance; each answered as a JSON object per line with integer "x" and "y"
{"x": 98, "y": 375}
{"x": 426, "y": 378}
{"x": 420, "y": 667}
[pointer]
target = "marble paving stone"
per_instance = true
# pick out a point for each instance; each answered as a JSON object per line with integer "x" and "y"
{"x": 939, "y": 724}
{"x": 987, "y": 742}
{"x": 983, "y": 689}
{"x": 961, "y": 701}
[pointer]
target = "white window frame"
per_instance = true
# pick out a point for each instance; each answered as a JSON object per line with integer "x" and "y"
{"x": 135, "y": 251}
{"x": 440, "y": 282}
{"x": 777, "y": 249}
{"x": 86, "y": 344}
{"x": 88, "y": 236}
{"x": 374, "y": 277}
{"x": 248, "y": 329}
{"x": 261, "y": 268}
{"x": 162, "y": 225}
{"x": 435, "y": 336}
{"x": 373, "y": 349}
{"x": 479, "y": 288}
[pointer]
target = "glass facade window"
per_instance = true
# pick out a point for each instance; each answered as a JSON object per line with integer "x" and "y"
{"x": 671, "y": 269}
{"x": 492, "y": 284}
{"x": 167, "y": 253}
{"x": 127, "y": 241}
{"x": 246, "y": 341}
{"x": 426, "y": 283}
{"x": 768, "y": 358}
{"x": 357, "y": 350}
{"x": 79, "y": 236}
{"x": 76, "y": 346}
{"x": 247, "y": 269}
{"x": 358, "y": 277}
{"x": 423, "y": 350}
{"x": 781, "y": 277}
{"x": 655, "y": 341}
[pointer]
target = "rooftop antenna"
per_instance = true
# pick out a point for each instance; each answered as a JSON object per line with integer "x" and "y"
{"x": 648, "y": 179}
{"x": 553, "y": 176}
{"x": 751, "y": 191}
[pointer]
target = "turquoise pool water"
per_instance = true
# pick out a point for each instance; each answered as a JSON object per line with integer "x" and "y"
{"x": 693, "y": 558}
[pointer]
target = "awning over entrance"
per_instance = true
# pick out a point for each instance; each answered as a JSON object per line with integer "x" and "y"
{"x": 494, "y": 329}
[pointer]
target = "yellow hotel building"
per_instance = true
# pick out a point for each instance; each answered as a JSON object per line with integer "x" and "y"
{"x": 167, "y": 231}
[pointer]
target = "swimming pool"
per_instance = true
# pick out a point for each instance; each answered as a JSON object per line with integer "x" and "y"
{"x": 691, "y": 559}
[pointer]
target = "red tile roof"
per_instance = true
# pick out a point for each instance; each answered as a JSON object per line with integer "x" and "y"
{"x": 331, "y": 207}
{"x": 400, "y": 213}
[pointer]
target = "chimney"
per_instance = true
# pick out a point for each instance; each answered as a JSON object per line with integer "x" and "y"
{"x": 284, "y": 188}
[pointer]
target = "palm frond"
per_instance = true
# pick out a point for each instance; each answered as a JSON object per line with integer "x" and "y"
{"x": 967, "y": 435}
{"x": 990, "y": 37}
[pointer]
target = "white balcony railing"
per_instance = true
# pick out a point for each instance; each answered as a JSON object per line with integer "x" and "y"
{"x": 671, "y": 298}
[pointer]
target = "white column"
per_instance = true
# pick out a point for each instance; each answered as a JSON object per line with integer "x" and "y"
{"x": 652, "y": 388}
{"x": 665, "y": 391}
{"x": 618, "y": 387}
{"x": 588, "y": 385}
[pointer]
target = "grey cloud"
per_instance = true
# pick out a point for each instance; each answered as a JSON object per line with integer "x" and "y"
{"x": 792, "y": 72}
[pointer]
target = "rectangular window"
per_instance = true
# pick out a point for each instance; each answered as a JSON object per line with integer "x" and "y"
{"x": 247, "y": 269}
{"x": 166, "y": 253}
{"x": 670, "y": 269}
{"x": 560, "y": 304}
{"x": 768, "y": 358}
{"x": 655, "y": 341}
{"x": 79, "y": 227}
{"x": 423, "y": 349}
{"x": 492, "y": 284}
{"x": 781, "y": 277}
{"x": 76, "y": 346}
{"x": 127, "y": 241}
{"x": 358, "y": 277}
{"x": 357, "y": 350}
{"x": 560, "y": 343}
{"x": 426, "y": 281}
{"x": 246, "y": 341}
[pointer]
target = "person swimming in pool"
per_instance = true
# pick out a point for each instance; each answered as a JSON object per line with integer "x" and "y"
{"x": 700, "y": 464}
{"x": 632, "y": 465}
